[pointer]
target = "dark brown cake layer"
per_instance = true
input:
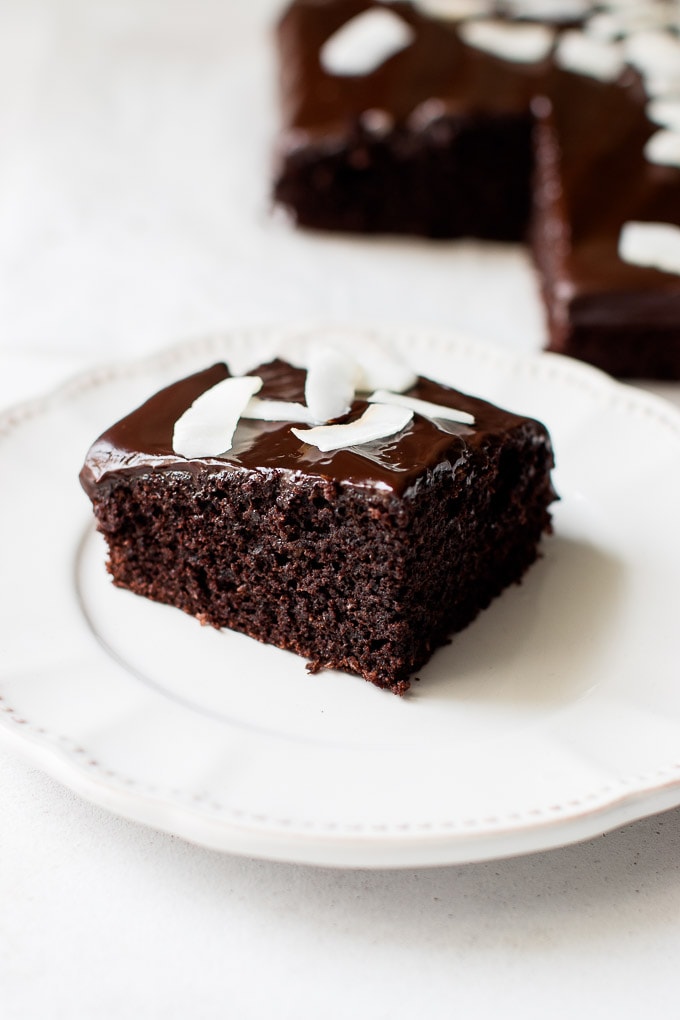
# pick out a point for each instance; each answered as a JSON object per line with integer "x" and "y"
{"x": 364, "y": 559}
{"x": 437, "y": 141}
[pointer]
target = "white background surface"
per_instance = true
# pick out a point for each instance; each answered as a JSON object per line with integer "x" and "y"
{"x": 133, "y": 212}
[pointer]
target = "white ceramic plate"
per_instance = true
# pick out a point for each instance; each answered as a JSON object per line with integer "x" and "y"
{"x": 555, "y": 716}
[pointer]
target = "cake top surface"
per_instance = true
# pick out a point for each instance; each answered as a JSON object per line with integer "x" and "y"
{"x": 435, "y": 64}
{"x": 142, "y": 442}
{"x": 474, "y": 56}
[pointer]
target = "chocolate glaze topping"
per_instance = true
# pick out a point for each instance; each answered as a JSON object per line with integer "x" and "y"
{"x": 142, "y": 442}
{"x": 318, "y": 106}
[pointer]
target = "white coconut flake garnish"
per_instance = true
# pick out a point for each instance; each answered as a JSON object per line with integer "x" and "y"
{"x": 377, "y": 422}
{"x": 663, "y": 86}
{"x": 632, "y": 6}
{"x": 454, "y": 10}
{"x": 277, "y": 410}
{"x": 379, "y": 370}
{"x": 364, "y": 43}
{"x": 330, "y": 383}
{"x": 424, "y": 407}
{"x": 595, "y": 58}
{"x": 663, "y": 148}
{"x": 520, "y": 43}
{"x": 604, "y": 27}
{"x": 656, "y": 245}
{"x": 654, "y": 53}
{"x": 549, "y": 10}
{"x": 206, "y": 429}
{"x": 642, "y": 18}
{"x": 376, "y": 366}
{"x": 665, "y": 112}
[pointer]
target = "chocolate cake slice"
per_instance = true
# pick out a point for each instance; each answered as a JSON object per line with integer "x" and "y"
{"x": 558, "y": 121}
{"x": 363, "y": 558}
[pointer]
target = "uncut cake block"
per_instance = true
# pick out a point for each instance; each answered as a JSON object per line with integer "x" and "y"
{"x": 556, "y": 122}
{"x": 362, "y": 559}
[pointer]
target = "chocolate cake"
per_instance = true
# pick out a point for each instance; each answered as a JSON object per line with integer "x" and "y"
{"x": 558, "y": 121}
{"x": 364, "y": 558}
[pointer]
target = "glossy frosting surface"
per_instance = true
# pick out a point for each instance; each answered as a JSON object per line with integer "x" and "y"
{"x": 142, "y": 442}
{"x": 436, "y": 65}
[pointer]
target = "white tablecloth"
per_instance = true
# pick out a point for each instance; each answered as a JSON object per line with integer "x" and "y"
{"x": 134, "y": 212}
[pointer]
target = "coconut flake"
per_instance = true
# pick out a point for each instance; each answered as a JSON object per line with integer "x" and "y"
{"x": 379, "y": 370}
{"x": 665, "y": 112}
{"x": 649, "y": 18}
{"x": 630, "y": 7}
{"x": 423, "y": 407}
{"x": 277, "y": 410}
{"x": 549, "y": 10}
{"x": 330, "y": 383}
{"x": 454, "y": 10}
{"x": 655, "y": 245}
{"x": 662, "y": 86}
{"x": 654, "y": 53}
{"x": 365, "y": 42}
{"x": 664, "y": 148}
{"x": 377, "y": 422}
{"x": 604, "y": 27}
{"x": 206, "y": 429}
{"x": 642, "y": 19}
{"x": 520, "y": 43}
{"x": 584, "y": 54}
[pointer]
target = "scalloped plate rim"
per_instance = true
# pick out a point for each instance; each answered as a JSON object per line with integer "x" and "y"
{"x": 374, "y": 850}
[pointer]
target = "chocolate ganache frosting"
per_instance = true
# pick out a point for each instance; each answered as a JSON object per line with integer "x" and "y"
{"x": 141, "y": 443}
